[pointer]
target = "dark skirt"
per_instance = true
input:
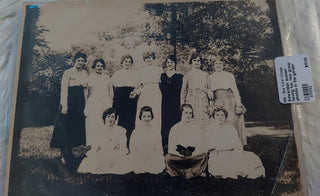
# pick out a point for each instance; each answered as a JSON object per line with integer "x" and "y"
{"x": 171, "y": 90}
{"x": 69, "y": 129}
{"x": 187, "y": 166}
{"x": 126, "y": 108}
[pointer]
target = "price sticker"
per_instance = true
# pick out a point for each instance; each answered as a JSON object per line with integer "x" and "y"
{"x": 294, "y": 79}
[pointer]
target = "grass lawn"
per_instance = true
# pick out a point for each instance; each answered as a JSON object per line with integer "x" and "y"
{"x": 37, "y": 171}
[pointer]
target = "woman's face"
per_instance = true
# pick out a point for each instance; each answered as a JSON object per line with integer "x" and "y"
{"x": 186, "y": 114}
{"x": 146, "y": 118}
{"x": 170, "y": 64}
{"x": 149, "y": 60}
{"x": 196, "y": 63}
{"x": 79, "y": 63}
{"x": 99, "y": 68}
{"x": 127, "y": 63}
{"x": 110, "y": 119}
{"x": 218, "y": 66}
{"x": 220, "y": 117}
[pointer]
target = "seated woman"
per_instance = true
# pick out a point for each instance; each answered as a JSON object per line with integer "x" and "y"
{"x": 186, "y": 156}
{"x": 227, "y": 159}
{"x": 146, "y": 153}
{"x": 110, "y": 145}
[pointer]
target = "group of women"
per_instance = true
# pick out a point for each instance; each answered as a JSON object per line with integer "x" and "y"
{"x": 134, "y": 120}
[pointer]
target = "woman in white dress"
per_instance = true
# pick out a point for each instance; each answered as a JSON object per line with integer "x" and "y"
{"x": 109, "y": 147}
{"x": 150, "y": 94}
{"x": 194, "y": 91}
{"x": 227, "y": 159}
{"x": 100, "y": 96}
{"x": 186, "y": 156}
{"x": 224, "y": 92}
{"x": 146, "y": 152}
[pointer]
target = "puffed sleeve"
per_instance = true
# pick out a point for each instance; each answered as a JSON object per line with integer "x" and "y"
{"x": 172, "y": 142}
{"x": 114, "y": 79}
{"x": 64, "y": 89}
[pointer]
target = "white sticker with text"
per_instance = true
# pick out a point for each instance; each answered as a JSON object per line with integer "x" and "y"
{"x": 294, "y": 79}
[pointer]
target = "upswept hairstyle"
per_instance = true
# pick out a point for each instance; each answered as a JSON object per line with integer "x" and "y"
{"x": 97, "y": 61}
{"x": 195, "y": 55}
{"x": 149, "y": 54}
{"x": 146, "y": 109}
{"x": 219, "y": 109}
{"x": 79, "y": 55}
{"x": 126, "y": 56}
{"x": 172, "y": 58}
{"x": 185, "y": 106}
{"x": 108, "y": 112}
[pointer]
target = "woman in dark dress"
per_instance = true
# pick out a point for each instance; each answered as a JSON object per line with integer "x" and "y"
{"x": 125, "y": 83}
{"x": 170, "y": 86}
{"x": 69, "y": 130}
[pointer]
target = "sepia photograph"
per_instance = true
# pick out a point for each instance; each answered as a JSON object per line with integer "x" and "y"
{"x": 124, "y": 97}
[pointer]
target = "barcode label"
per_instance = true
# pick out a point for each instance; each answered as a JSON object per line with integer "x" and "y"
{"x": 306, "y": 92}
{"x": 294, "y": 79}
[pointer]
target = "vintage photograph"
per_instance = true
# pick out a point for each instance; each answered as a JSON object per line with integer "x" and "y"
{"x": 124, "y": 97}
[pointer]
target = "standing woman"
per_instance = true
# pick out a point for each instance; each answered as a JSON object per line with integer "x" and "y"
{"x": 225, "y": 93}
{"x": 100, "y": 96}
{"x": 125, "y": 82}
{"x": 194, "y": 91}
{"x": 170, "y": 86}
{"x": 150, "y": 94}
{"x": 69, "y": 130}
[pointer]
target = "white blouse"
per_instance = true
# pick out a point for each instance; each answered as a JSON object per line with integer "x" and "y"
{"x": 125, "y": 78}
{"x": 150, "y": 74}
{"x": 185, "y": 134}
{"x": 222, "y": 137}
{"x": 224, "y": 80}
{"x": 71, "y": 77}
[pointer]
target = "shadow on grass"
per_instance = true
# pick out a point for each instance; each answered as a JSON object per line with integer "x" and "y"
{"x": 49, "y": 177}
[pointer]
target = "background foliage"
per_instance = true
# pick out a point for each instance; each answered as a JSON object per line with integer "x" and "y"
{"x": 246, "y": 37}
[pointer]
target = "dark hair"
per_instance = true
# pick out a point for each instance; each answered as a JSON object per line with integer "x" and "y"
{"x": 97, "y": 61}
{"x": 194, "y": 56}
{"x": 185, "y": 106}
{"x": 126, "y": 56}
{"x": 218, "y": 109}
{"x": 172, "y": 58}
{"x": 146, "y": 109}
{"x": 79, "y": 55}
{"x": 108, "y": 112}
{"x": 149, "y": 54}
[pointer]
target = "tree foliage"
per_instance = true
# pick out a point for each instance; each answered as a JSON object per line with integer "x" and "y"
{"x": 246, "y": 37}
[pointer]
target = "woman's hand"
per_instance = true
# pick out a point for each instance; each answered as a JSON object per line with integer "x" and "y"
{"x": 210, "y": 94}
{"x": 239, "y": 109}
{"x": 64, "y": 110}
{"x": 99, "y": 148}
{"x": 132, "y": 94}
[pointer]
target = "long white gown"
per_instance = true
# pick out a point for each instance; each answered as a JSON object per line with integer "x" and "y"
{"x": 100, "y": 95}
{"x": 150, "y": 92}
{"x": 146, "y": 152}
{"x": 106, "y": 152}
{"x": 228, "y": 159}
